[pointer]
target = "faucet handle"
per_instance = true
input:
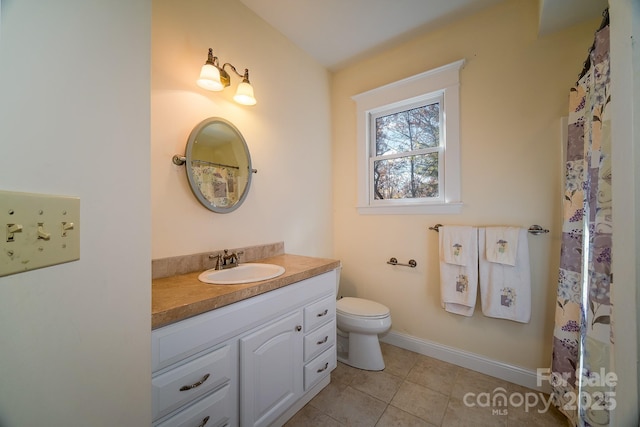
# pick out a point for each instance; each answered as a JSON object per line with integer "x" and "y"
{"x": 218, "y": 258}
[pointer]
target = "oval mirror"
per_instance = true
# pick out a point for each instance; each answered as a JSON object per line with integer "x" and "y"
{"x": 218, "y": 165}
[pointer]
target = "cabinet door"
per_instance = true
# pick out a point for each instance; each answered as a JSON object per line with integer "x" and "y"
{"x": 271, "y": 370}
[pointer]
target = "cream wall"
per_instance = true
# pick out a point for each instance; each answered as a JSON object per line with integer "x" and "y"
{"x": 288, "y": 132}
{"x": 74, "y": 120}
{"x": 514, "y": 90}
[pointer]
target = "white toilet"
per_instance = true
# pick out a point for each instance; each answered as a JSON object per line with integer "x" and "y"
{"x": 359, "y": 321}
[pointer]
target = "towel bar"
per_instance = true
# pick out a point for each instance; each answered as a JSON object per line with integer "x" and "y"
{"x": 534, "y": 229}
{"x": 394, "y": 261}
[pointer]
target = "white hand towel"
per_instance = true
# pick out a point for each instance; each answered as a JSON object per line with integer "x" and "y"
{"x": 502, "y": 244}
{"x": 505, "y": 290}
{"x": 456, "y": 246}
{"x": 459, "y": 283}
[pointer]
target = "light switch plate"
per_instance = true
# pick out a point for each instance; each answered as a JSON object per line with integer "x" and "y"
{"x": 37, "y": 230}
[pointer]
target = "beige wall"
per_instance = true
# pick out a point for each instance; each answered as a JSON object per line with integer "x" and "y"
{"x": 514, "y": 90}
{"x": 74, "y": 120}
{"x": 288, "y": 132}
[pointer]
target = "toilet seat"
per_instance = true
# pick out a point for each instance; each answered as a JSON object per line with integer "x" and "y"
{"x": 360, "y": 307}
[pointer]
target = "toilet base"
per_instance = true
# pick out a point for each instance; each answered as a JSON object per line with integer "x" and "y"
{"x": 362, "y": 351}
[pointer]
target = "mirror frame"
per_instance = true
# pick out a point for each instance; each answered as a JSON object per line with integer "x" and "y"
{"x": 190, "y": 176}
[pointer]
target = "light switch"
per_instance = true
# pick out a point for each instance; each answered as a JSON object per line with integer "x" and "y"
{"x": 41, "y": 230}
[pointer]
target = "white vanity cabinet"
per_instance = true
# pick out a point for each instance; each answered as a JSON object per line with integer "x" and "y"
{"x": 271, "y": 370}
{"x": 252, "y": 363}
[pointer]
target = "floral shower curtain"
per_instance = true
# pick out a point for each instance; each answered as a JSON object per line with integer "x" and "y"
{"x": 582, "y": 379}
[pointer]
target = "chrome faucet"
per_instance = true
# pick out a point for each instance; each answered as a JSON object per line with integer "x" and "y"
{"x": 228, "y": 260}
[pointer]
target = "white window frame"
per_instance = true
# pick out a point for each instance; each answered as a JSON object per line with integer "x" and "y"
{"x": 443, "y": 81}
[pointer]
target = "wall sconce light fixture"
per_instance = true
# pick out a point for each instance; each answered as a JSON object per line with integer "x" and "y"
{"x": 214, "y": 77}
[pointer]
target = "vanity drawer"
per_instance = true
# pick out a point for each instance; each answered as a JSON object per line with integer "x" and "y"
{"x": 319, "y": 367}
{"x": 319, "y": 340}
{"x": 319, "y": 312}
{"x": 195, "y": 378}
{"x": 215, "y": 410}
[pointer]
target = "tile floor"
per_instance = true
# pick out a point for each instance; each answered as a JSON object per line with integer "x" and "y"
{"x": 416, "y": 390}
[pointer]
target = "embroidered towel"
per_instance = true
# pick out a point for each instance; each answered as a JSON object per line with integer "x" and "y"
{"x": 505, "y": 290}
{"x": 459, "y": 280}
{"x": 502, "y": 244}
{"x": 455, "y": 244}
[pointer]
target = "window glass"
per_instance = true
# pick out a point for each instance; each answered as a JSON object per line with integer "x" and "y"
{"x": 406, "y": 154}
{"x": 406, "y": 177}
{"x": 408, "y": 130}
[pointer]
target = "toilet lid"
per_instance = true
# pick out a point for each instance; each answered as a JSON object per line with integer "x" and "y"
{"x": 361, "y": 307}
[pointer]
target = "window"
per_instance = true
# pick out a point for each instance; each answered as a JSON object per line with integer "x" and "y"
{"x": 405, "y": 159}
{"x": 408, "y": 145}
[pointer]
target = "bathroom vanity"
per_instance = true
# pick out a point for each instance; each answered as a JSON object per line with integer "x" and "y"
{"x": 242, "y": 355}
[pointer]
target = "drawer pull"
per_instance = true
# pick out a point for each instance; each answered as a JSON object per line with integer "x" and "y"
{"x": 324, "y": 340}
{"x": 324, "y": 313}
{"x": 298, "y": 328}
{"x": 326, "y": 365}
{"x": 204, "y": 421}
{"x": 198, "y": 384}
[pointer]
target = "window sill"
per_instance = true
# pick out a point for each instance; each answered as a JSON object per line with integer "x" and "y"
{"x": 430, "y": 209}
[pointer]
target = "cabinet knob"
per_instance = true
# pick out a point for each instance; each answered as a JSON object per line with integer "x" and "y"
{"x": 324, "y": 313}
{"x": 298, "y": 328}
{"x": 205, "y": 420}
{"x": 326, "y": 337}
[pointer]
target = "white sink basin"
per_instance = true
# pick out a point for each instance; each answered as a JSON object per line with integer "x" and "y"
{"x": 244, "y": 273}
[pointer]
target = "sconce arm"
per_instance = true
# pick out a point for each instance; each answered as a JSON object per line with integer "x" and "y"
{"x": 244, "y": 76}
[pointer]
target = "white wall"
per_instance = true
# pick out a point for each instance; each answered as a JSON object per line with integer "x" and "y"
{"x": 74, "y": 120}
{"x": 625, "y": 122}
{"x": 288, "y": 132}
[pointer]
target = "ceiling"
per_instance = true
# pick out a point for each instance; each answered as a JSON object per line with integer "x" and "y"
{"x": 337, "y": 32}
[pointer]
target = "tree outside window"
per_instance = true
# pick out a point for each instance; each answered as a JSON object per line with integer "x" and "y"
{"x": 406, "y": 161}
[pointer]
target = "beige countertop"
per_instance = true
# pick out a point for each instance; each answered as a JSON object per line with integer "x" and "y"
{"x": 179, "y": 297}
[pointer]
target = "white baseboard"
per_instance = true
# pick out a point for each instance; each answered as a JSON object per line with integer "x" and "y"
{"x": 514, "y": 374}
